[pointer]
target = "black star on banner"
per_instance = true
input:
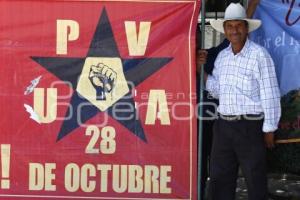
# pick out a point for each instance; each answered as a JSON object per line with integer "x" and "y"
{"x": 69, "y": 69}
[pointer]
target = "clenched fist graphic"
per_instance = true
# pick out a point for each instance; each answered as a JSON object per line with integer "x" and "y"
{"x": 103, "y": 79}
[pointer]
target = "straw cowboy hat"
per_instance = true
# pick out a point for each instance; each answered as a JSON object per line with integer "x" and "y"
{"x": 235, "y": 11}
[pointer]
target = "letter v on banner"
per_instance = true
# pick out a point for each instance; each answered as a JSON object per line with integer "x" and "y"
{"x": 94, "y": 99}
{"x": 137, "y": 43}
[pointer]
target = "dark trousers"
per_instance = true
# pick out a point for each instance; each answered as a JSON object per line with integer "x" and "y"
{"x": 238, "y": 143}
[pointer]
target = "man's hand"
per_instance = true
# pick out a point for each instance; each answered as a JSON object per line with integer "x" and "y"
{"x": 201, "y": 59}
{"x": 201, "y": 56}
{"x": 269, "y": 140}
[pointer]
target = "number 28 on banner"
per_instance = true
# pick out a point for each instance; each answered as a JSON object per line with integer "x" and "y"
{"x": 107, "y": 144}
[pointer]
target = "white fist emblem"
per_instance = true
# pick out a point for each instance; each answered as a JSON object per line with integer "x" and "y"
{"x": 103, "y": 79}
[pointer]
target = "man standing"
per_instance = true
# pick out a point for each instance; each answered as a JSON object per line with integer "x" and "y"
{"x": 244, "y": 81}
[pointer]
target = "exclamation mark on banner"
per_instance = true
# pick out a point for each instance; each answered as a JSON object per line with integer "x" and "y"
{"x": 5, "y": 163}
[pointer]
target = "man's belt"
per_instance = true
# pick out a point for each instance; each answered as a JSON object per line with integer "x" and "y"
{"x": 241, "y": 117}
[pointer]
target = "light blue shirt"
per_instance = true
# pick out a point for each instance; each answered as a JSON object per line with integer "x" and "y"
{"x": 246, "y": 83}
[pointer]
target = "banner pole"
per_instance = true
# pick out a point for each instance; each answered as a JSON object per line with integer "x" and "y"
{"x": 200, "y": 108}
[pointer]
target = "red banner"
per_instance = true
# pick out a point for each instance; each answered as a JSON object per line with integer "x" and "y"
{"x": 97, "y": 99}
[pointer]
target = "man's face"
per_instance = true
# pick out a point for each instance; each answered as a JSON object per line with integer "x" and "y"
{"x": 236, "y": 31}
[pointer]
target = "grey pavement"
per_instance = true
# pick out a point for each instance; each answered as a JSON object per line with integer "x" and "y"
{"x": 281, "y": 187}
